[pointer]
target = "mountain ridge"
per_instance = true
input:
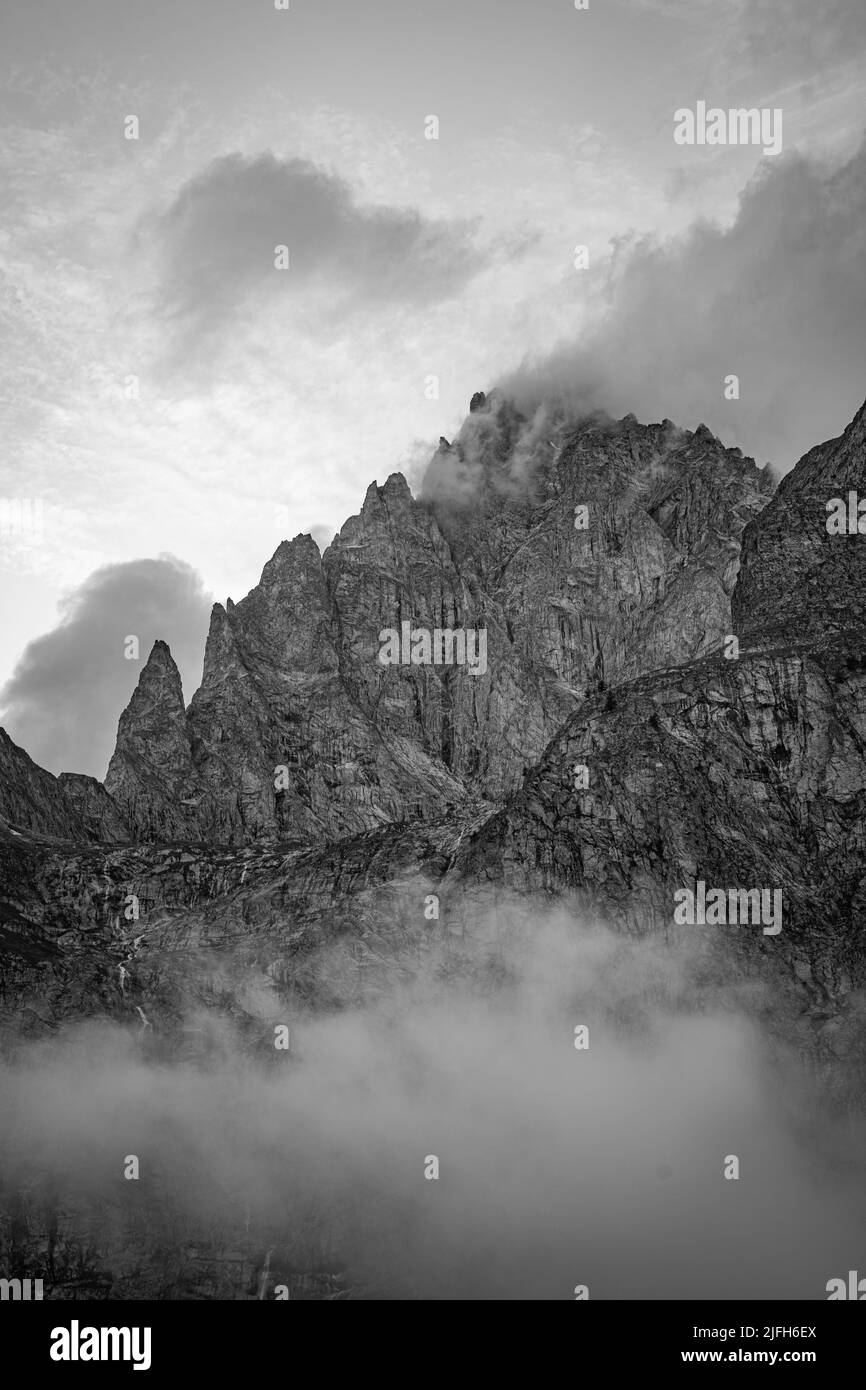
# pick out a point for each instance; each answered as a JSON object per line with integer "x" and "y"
{"x": 422, "y": 739}
{"x": 744, "y": 770}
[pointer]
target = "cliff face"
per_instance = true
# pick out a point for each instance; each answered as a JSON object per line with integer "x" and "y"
{"x": 739, "y": 772}
{"x": 743, "y": 774}
{"x": 801, "y": 581}
{"x": 586, "y": 553}
{"x": 747, "y": 772}
{"x": 152, "y": 780}
{"x": 68, "y": 807}
{"x": 272, "y": 743}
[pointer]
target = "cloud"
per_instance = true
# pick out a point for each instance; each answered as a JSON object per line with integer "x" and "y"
{"x": 323, "y": 536}
{"x": 65, "y": 696}
{"x": 557, "y": 1165}
{"x": 457, "y": 474}
{"x": 775, "y": 32}
{"x": 218, "y": 242}
{"x": 777, "y": 299}
{"x": 755, "y": 40}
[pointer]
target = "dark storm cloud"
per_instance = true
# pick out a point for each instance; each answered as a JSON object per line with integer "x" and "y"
{"x": 65, "y": 696}
{"x": 219, "y": 235}
{"x": 778, "y": 299}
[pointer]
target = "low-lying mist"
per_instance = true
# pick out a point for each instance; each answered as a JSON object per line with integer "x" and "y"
{"x": 558, "y": 1166}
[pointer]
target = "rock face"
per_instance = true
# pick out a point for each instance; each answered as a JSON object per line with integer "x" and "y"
{"x": 273, "y": 742}
{"x": 150, "y": 776}
{"x": 742, "y": 774}
{"x": 799, "y": 581}
{"x": 586, "y": 553}
{"x": 68, "y": 807}
{"x": 739, "y": 773}
{"x": 95, "y": 809}
{"x": 604, "y": 651}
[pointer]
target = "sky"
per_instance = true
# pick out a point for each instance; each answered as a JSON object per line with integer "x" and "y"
{"x": 177, "y": 404}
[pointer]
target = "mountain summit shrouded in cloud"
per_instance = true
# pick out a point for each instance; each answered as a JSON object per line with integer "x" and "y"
{"x": 368, "y": 955}
{"x": 777, "y": 299}
{"x": 364, "y": 974}
{"x": 159, "y": 367}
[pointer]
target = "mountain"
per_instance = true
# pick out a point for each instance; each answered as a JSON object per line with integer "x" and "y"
{"x": 801, "y": 582}
{"x": 674, "y": 692}
{"x": 292, "y": 678}
{"x": 68, "y": 807}
{"x": 606, "y": 648}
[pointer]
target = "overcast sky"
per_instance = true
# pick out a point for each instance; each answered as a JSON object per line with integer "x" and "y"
{"x": 268, "y": 399}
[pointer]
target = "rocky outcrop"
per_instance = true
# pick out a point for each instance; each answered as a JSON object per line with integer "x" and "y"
{"x": 31, "y": 798}
{"x": 585, "y": 552}
{"x": 95, "y": 808}
{"x": 800, "y": 581}
{"x": 68, "y": 807}
{"x": 151, "y": 775}
{"x": 741, "y": 773}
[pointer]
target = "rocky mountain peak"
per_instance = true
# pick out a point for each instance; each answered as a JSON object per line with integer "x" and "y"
{"x": 289, "y": 557}
{"x": 158, "y": 697}
{"x": 285, "y": 618}
{"x": 393, "y": 496}
{"x": 150, "y": 772}
{"x": 292, "y": 673}
{"x": 588, "y": 551}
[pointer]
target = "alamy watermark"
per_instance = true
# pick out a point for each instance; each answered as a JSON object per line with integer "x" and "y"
{"x": 77, "y": 1343}
{"x": 847, "y": 516}
{"x": 422, "y": 646}
{"x": 21, "y": 1290}
{"x": 854, "y": 1289}
{"x": 738, "y": 126}
{"x": 718, "y": 907}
